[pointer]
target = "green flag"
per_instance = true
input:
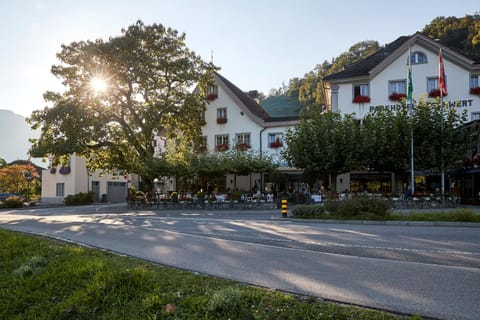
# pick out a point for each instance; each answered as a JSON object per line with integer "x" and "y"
{"x": 409, "y": 79}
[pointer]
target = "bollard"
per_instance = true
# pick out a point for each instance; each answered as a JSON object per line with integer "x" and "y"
{"x": 284, "y": 208}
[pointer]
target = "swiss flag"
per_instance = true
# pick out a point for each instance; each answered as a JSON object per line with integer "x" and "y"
{"x": 442, "y": 85}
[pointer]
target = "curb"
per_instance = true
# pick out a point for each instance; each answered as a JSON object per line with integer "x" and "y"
{"x": 389, "y": 222}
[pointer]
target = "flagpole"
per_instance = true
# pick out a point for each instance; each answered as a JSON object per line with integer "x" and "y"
{"x": 410, "y": 106}
{"x": 442, "y": 87}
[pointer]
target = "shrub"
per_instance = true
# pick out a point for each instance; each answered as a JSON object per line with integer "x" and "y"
{"x": 304, "y": 211}
{"x": 81, "y": 198}
{"x": 359, "y": 206}
{"x": 13, "y": 202}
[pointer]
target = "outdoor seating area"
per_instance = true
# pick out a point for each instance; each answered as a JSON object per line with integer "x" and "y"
{"x": 188, "y": 201}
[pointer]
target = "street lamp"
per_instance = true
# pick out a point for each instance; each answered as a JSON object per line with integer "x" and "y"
{"x": 156, "y": 185}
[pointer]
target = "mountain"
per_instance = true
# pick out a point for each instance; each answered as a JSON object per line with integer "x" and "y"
{"x": 14, "y": 135}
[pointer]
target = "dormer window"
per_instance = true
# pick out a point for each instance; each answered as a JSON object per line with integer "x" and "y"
{"x": 212, "y": 93}
{"x": 418, "y": 57}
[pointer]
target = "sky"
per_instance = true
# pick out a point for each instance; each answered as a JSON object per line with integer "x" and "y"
{"x": 258, "y": 44}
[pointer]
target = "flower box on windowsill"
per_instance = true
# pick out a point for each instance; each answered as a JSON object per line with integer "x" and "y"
{"x": 397, "y": 96}
{"x": 222, "y": 147}
{"x": 435, "y": 93}
{"x": 475, "y": 90}
{"x": 64, "y": 170}
{"x": 361, "y": 99}
{"x": 202, "y": 149}
{"x": 243, "y": 146}
{"x": 212, "y": 96}
{"x": 276, "y": 144}
{"x": 221, "y": 120}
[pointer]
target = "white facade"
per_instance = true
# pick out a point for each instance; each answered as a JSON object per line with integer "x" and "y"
{"x": 458, "y": 69}
{"x": 59, "y": 182}
{"x": 241, "y": 121}
{"x": 246, "y": 122}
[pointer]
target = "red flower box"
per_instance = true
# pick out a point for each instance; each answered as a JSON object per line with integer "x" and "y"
{"x": 276, "y": 144}
{"x": 221, "y": 120}
{"x": 435, "y": 93}
{"x": 475, "y": 90}
{"x": 212, "y": 96}
{"x": 361, "y": 99}
{"x": 243, "y": 146}
{"x": 397, "y": 96}
{"x": 222, "y": 147}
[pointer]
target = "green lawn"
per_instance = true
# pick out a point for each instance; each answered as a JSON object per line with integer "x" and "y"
{"x": 47, "y": 279}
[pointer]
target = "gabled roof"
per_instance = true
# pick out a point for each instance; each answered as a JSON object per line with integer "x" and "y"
{"x": 258, "y": 113}
{"x": 363, "y": 67}
{"x": 281, "y": 106}
{"x": 377, "y": 61}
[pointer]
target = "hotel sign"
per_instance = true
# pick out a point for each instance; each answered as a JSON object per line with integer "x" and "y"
{"x": 448, "y": 103}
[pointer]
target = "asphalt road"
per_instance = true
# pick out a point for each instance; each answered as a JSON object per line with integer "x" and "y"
{"x": 431, "y": 271}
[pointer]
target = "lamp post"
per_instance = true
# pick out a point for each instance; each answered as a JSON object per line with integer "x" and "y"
{"x": 156, "y": 183}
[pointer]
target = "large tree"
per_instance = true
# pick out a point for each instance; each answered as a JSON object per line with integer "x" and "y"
{"x": 324, "y": 144}
{"x": 119, "y": 94}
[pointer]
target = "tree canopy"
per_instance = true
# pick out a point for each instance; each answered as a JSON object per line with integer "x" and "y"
{"x": 462, "y": 34}
{"x": 119, "y": 94}
{"x": 330, "y": 143}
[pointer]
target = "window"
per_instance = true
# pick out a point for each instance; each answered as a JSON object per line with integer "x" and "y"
{"x": 475, "y": 84}
{"x": 221, "y": 142}
{"x": 418, "y": 57}
{"x": 397, "y": 87}
{"x": 243, "y": 138}
{"x": 432, "y": 84}
{"x": 221, "y": 115}
{"x": 361, "y": 90}
{"x": 275, "y": 140}
{"x": 475, "y": 116}
{"x": 203, "y": 144}
{"x": 60, "y": 189}
{"x": 474, "y": 80}
{"x": 212, "y": 93}
{"x": 361, "y": 93}
{"x": 243, "y": 141}
{"x": 203, "y": 141}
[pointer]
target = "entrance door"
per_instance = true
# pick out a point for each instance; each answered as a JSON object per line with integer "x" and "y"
{"x": 116, "y": 191}
{"x": 96, "y": 190}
